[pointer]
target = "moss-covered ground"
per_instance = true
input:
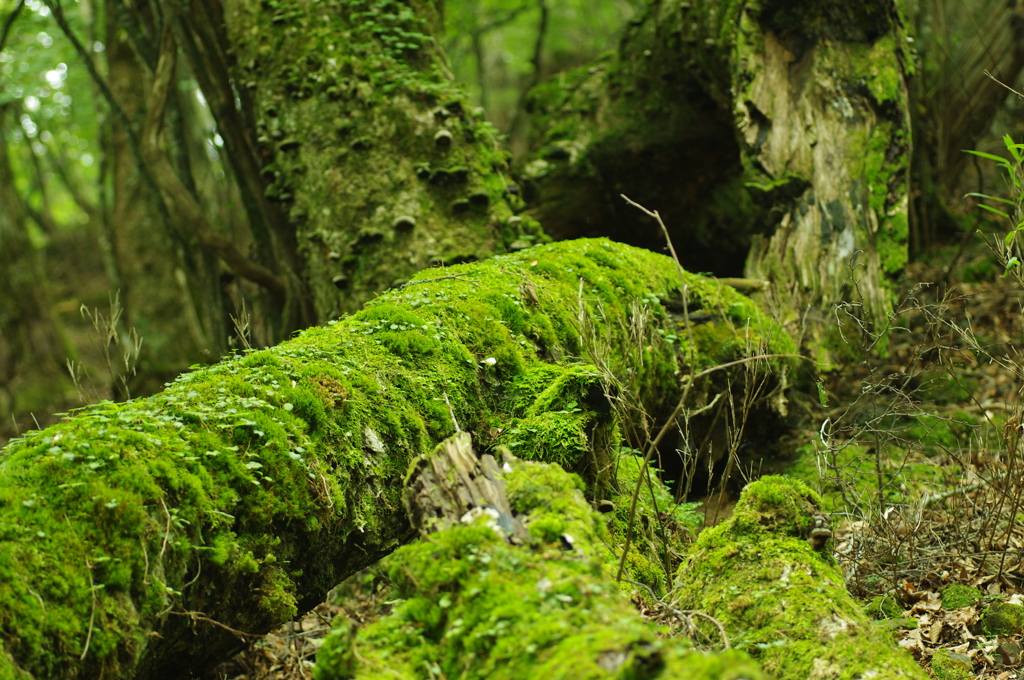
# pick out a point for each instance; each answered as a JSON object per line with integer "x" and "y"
{"x": 472, "y": 605}
{"x": 779, "y": 593}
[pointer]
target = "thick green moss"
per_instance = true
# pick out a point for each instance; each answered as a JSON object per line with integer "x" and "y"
{"x": 883, "y": 607}
{"x": 779, "y": 598}
{"x": 1003, "y": 618}
{"x": 659, "y": 524}
{"x": 874, "y": 63}
{"x": 949, "y": 665}
{"x": 958, "y": 595}
{"x": 247, "y": 489}
{"x": 474, "y": 606}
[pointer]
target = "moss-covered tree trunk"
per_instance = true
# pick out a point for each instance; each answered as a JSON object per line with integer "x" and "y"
{"x": 359, "y": 160}
{"x": 511, "y": 581}
{"x": 150, "y": 538}
{"x": 769, "y": 132}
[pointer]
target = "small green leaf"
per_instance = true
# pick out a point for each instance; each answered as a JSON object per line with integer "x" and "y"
{"x": 991, "y": 157}
{"x": 995, "y": 210}
{"x": 975, "y": 194}
{"x": 1014, "y": 149}
{"x": 1013, "y": 263}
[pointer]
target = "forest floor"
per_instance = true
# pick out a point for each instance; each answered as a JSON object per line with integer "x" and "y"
{"x": 919, "y": 452}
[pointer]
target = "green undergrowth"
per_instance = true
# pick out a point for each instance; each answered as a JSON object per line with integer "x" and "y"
{"x": 898, "y": 466}
{"x": 247, "y": 489}
{"x": 780, "y": 599}
{"x": 471, "y": 605}
{"x": 659, "y": 523}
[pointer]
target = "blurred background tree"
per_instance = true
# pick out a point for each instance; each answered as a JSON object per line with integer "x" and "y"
{"x": 499, "y": 49}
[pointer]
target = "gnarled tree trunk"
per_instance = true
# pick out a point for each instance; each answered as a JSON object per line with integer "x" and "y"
{"x": 772, "y": 132}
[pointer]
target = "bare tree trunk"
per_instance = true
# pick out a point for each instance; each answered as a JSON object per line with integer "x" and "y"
{"x": 32, "y": 346}
{"x": 151, "y": 254}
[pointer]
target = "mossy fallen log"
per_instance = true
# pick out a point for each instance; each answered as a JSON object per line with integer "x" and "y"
{"x": 767, "y": 574}
{"x": 510, "y": 584}
{"x": 150, "y": 538}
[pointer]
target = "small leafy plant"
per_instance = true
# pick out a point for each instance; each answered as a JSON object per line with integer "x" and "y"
{"x": 1014, "y": 213}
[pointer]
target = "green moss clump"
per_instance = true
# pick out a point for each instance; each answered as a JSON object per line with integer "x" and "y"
{"x": 556, "y": 407}
{"x": 883, "y": 607}
{"x": 957, "y": 595}
{"x": 900, "y": 623}
{"x": 949, "y": 665}
{"x": 649, "y": 560}
{"x": 474, "y": 606}
{"x": 875, "y": 65}
{"x": 778, "y": 598}
{"x": 1003, "y": 618}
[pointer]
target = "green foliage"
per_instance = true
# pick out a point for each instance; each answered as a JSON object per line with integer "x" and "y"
{"x": 56, "y": 140}
{"x": 1013, "y": 169}
{"x": 504, "y": 33}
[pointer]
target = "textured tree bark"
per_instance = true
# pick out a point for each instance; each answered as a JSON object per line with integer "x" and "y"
{"x": 151, "y": 538}
{"x": 351, "y": 143}
{"x": 959, "y": 45}
{"x": 771, "y": 132}
{"x": 149, "y": 249}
